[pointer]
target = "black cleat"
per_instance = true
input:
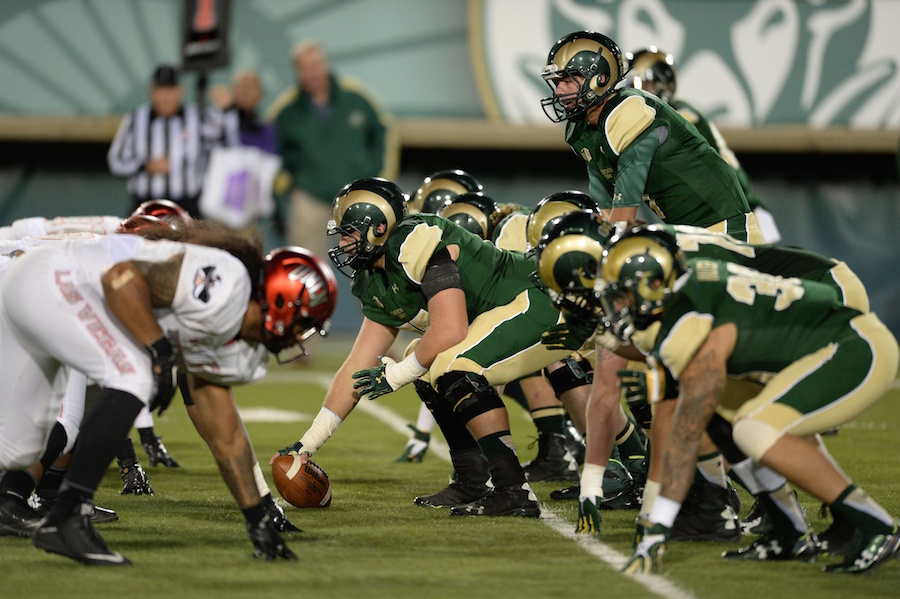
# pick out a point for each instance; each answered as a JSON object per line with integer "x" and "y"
{"x": 837, "y": 538}
{"x": 708, "y": 514}
{"x": 17, "y": 518}
{"x": 456, "y": 493}
{"x": 867, "y": 553}
{"x": 279, "y": 519}
{"x": 566, "y": 493}
{"x": 575, "y": 443}
{"x": 74, "y": 537}
{"x": 42, "y": 505}
{"x": 470, "y": 481}
{"x": 158, "y": 454}
{"x": 135, "y": 479}
{"x": 505, "y": 501}
{"x": 769, "y": 548}
{"x": 553, "y": 460}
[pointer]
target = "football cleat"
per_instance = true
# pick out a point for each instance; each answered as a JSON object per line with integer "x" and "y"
{"x": 837, "y": 538}
{"x": 708, "y": 514}
{"x": 756, "y": 522}
{"x": 416, "y": 447}
{"x": 276, "y": 514}
{"x": 456, "y": 493}
{"x": 135, "y": 479}
{"x": 867, "y": 553}
{"x": 17, "y": 518}
{"x": 566, "y": 493}
{"x": 158, "y": 454}
{"x": 575, "y": 443}
{"x": 770, "y": 548}
{"x": 74, "y": 537}
{"x": 42, "y": 505}
{"x": 553, "y": 460}
{"x": 588, "y": 516}
{"x": 503, "y": 501}
{"x": 470, "y": 481}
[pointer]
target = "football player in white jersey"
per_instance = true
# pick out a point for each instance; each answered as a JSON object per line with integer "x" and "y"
{"x": 124, "y": 311}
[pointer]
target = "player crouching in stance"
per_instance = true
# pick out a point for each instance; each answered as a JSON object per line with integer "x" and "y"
{"x": 124, "y": 311}
{"x": 822, "y": 362}
{"x": 410, "y": 271}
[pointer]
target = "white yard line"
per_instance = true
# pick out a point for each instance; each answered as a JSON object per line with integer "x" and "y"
{"x": 659, "y": 585}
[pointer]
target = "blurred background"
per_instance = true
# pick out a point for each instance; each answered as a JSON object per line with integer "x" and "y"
{"x": 807, "y": 94}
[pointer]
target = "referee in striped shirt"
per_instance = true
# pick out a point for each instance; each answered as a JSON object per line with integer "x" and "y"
{"x": 163, "y": 147}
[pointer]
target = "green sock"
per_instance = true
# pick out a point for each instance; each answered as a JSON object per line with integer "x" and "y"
{"x": 857, "y": 508}
{"x": 549, "y": 420}
{"x": 629, "y": 442}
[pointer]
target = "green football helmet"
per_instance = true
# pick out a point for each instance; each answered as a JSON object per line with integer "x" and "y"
{"x": 474, "y": 212}
{"x": 653, "y": 71}
{"x": 555, "y": 204}
{"x": 440, "y": 188}
{"x": 568, "y": 255}
{"x": 640, "y": 272}
{"x": 366, "y": 210}
{"x": 592, "y": 58}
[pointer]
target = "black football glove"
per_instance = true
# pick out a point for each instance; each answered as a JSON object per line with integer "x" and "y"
{"x": 162, "y": 357}
{"x": 267, "y": 542}
{"x": 568, "y": 335}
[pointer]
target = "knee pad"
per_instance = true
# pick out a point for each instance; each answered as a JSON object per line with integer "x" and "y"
{"x": 573, "y": 374}
{"x": 720, "y": 431}
{"x": 427, "y": 394}
{"x": 754, "y": 438}
{"x": 469, "y": 394}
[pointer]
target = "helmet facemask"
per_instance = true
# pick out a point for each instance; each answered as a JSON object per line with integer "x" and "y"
{"x": 593, "y": 62}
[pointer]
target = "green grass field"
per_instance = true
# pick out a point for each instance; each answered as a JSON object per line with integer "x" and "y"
{"x": 188, "y": 540}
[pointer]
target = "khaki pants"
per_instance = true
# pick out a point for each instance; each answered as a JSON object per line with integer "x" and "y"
{"x": 307, "y": 221}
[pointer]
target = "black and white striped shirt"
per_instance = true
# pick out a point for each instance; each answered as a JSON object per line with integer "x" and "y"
{"x": 185, "y": 138}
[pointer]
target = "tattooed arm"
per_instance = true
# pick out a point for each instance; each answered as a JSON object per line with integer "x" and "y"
{"x": 132, "y": 289}
{"x": 216, "y": 418}
{"x": 701, "y": 386}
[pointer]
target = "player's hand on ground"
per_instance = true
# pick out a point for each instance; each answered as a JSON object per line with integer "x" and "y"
{"x": 650, "y": 544}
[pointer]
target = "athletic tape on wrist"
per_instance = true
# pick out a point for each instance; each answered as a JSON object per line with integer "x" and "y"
{"x": 322, "y": 427}
{"x": 404, "y": 372}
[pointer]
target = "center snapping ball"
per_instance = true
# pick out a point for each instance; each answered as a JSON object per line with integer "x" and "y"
{"x": 301, "y": 485}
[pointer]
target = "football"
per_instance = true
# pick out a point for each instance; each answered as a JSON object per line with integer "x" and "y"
{"x": 301, "y": 485}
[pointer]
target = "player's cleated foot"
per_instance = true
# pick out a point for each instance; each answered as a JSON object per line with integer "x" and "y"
{"x": 456, "y": 493}
{"x": 279, "y": 519}
{"x": 42, "y": 505}
{"x": 707, "y": 514}
{"x": 575, "y": 442}
{"x": 553, "y": 460}
{"x": 756, "y": 522}
{"x": 588, "y": 516}
{"x": 567, "y": 493}
{"x": 74, "y": 537}
{"x": 416, "y": 447}
{"x": 769, "y": 548}
{"x": 505, "y": 501}
{"x": 158, "y": 454}
{"x": 837, "y": 538}
{"x": 867, "y": 553}
{"x": 17, "y": 518}
{"x": 135, "y": 479}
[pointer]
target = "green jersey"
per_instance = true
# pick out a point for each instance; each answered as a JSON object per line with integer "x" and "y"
{"x": 709, "y": 131}
{"x": 491, "y": 277}
{"x": 643, "y": 150}
{"x": 779, "y": 320}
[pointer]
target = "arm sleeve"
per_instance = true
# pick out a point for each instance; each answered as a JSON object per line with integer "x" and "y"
{"x": 597, "y": 191}
{"x": 634, "y": 166}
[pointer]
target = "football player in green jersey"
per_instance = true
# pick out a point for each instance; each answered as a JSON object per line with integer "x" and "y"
{"x": 636, "y": 147}
{"x": 654, "y": 72}
{"x": 820, "y": 364}
{"x": 409, "y": 271}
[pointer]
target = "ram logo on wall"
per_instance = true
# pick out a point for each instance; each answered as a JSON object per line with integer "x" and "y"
{"x": 741, "y": 63}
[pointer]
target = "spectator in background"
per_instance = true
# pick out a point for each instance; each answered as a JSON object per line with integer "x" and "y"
{"x": 240, "y": 184}
{"x": 330, "y": 132}
{"x": 162, "y": 147}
